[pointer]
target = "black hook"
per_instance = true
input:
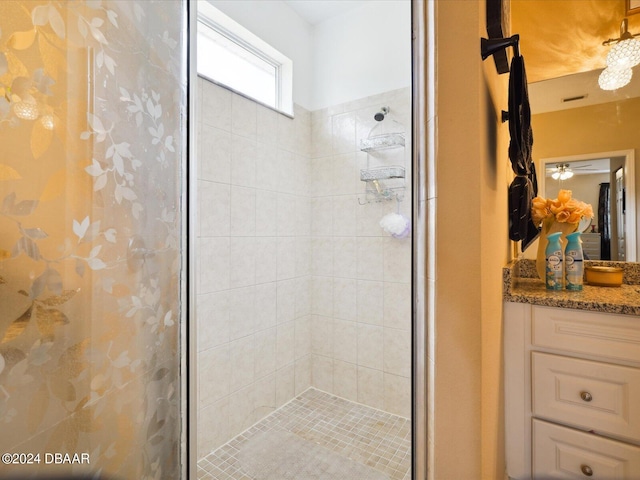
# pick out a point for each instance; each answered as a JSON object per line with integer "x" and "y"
{"x": 489, "y": 46}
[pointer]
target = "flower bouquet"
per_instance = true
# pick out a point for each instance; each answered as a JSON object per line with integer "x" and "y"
{"x": 562, "y": 214}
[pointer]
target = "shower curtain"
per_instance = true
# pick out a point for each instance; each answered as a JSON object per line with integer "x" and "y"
{"x": 92, "y": 142}
{"x": 604, "y": 220}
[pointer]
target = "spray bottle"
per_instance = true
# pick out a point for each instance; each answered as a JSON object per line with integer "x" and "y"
{"x": 574, "y": 261}
{"x": 553, "y": 254}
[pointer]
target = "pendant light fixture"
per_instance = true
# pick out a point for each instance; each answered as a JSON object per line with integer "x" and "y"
{"x": 623, "y": 56}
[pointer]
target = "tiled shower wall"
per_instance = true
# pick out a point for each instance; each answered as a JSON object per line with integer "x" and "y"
{"x": 298, "y": 285}
{"x": 254, "y": 338}
{"x": 361, "y": 277}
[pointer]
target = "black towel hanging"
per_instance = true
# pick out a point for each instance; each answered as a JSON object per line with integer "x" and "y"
{"x": 525, "y": 185}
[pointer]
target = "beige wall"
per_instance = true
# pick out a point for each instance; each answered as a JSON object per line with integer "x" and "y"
{"x": 598, "y": 128}
{"x": 473, "y": 174}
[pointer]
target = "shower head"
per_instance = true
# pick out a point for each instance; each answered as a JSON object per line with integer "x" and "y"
{"x": 378, "y": 117}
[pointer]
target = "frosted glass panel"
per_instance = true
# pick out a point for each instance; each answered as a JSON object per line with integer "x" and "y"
{"x": 92, "y": 135}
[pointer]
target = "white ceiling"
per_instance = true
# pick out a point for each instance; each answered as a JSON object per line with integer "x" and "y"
{"x": 316, "y": 11}
{"x": 548, "y": 95}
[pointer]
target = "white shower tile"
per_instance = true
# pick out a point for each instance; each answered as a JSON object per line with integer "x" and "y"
{"x": 370, "y": 346}
{"x": 302, "y": 342}
{"x": 321, "y": 335}
{"x": 213, "y": 319}
{"x": 370, "y": 256}
{"x": 397, "y": 395}
{"x": 397, "y": 260}
{"x": 344, "y": 173}
{"x": 397, "y": 352}
{"x": 303, "y": 296}
{"x": 302, "y": 369}
{"x": 241, "y": 410}
{"x": 322, "y": 373}
{"x": 286, "y": 258}
{"x": 241, "y": 362}
{"x": 343, "y": 133}
{"x": 266, "y": 310}
{"x": 370, "y": 387}
{"x": 344, "y": 215}
{"x": 267, "y": 167}
{"x": 243, "y": 161}
{"x": 267, "y": 125}
{"x": 265, "y": 352}
{"x": 286, "y": 216}
{"x": 285, "y": 344}
{"x": 214, "y": 209}
{"x": 243, "y": 117}
{"x": 215, "y": 155}
{"x": 242, "y": 303}
{"x": 368, "y": 218}
{"x": 286, "y": 133}
{"x": 286, "y": 298}
{"x": 266, "y": 213}
{"x": 345, "y": 380}
{"x": 243, "y": 211}
{"x": 214, "y": 264}
{"x": 285, "y": 384}
{"x": 213, "y": 431}
{"x": 344, "y": 257}
{"x": 322, "y": 256}
{"x": 265, "y": 396}
{"x": 303, "y": 256}
{"x": 370, "y": 304}
{"x": 216, "y": 106}
{"x": 266, "y": 259}
{"x": 302, "y": 130}
{"x": 286, "y": 181}
{"x": 322, "y": 296}
{"x": 397, "y": 305}
{"x": 214, "y": 374}
{"x": 345, "y": 341}
{"x": 243, "y": 261}
{"x": 321, "y": 144}
{"x": 321, "y": 176}
{"x": 303, "y": 216}
{"x": 322, "y": 216}
{"x": 344, "y": 298}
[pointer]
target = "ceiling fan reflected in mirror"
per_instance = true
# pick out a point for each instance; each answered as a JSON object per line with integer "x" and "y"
{"x": 562, "y": 171}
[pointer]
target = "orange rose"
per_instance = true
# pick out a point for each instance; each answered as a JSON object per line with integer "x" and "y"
{"x": 564, "y": 196}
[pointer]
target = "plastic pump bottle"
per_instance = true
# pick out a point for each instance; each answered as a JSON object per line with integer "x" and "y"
{"x": 553, "y": 254}
{"x": 574, "y": 262}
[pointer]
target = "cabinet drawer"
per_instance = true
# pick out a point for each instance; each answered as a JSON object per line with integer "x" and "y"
{"x": 590, "y": 333}
{"x": 586, "y": 394}
{"x": 560, "y": 452}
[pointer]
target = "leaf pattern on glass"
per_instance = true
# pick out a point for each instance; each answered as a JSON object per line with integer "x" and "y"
{"x": 69, "y": 210}
{"x": 18, "y": 326}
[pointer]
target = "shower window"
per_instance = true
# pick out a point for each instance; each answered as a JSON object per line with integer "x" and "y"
{"x": 232, "y": 56}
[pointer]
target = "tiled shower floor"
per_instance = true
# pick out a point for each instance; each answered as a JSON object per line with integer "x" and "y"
{"x": 337, "y": 435}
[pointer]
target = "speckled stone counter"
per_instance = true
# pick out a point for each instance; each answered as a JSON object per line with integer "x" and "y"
{"x": 522, "y": 285}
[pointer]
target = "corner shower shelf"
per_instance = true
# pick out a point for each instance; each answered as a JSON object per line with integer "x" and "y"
{"x": 382, "y": 142}
{"x": 381, "y": 173}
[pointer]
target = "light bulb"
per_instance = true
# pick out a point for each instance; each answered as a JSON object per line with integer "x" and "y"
{"x": 555, "y": 175}
{"x": 624, "y": 54}
{"x": 567, "y": 174}
{"x": 26, "y": 110}
{"x": 611, "y": 79}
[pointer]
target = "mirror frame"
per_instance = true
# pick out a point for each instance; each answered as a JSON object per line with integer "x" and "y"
{"x": 630, "y": 190}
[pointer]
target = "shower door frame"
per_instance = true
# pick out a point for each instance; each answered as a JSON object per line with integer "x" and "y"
{"x": 422, "y": 258}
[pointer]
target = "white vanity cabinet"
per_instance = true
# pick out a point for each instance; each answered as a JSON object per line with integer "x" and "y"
{"x": 572, "y": 393}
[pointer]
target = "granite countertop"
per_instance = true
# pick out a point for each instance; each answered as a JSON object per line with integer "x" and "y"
{"x": 522, "y": 285}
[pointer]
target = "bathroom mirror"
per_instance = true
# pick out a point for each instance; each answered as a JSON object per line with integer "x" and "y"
{"x": 574, "y": 121}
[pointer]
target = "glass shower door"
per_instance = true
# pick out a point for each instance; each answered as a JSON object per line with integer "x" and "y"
{"x": 92, "y": 160}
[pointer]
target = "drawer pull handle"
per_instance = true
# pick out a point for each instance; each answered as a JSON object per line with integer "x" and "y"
{"x": 587, "y": 397}
{"x": 586, "y": 470}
